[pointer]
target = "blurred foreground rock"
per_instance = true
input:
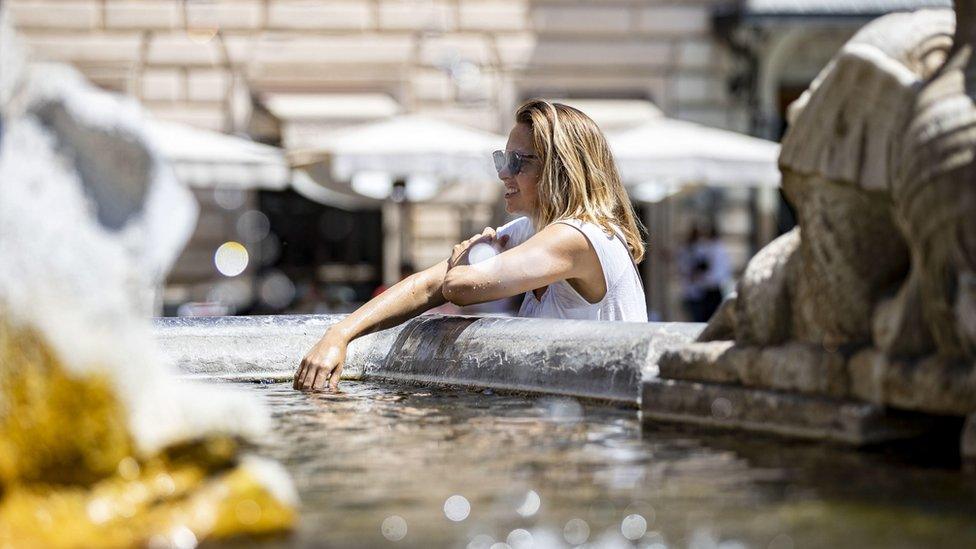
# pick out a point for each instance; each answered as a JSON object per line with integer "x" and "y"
{"x": 871, "y": 301}
{"x": 100, "y": 444}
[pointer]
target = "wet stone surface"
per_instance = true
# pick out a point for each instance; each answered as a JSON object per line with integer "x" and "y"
{"x": 397, "y": 466}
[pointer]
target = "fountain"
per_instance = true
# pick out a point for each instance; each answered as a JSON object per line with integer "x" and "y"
{"x": 857, "y": 327}
{"x": 860, "y": 324}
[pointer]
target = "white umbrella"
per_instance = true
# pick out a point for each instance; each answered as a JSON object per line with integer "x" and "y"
{"x": 672, "y": 153}
{"x": 405, "y": 147}
{"x": 203, "y": 158}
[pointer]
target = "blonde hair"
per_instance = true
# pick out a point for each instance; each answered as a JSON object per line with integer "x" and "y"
{"x": 579, "y": 179}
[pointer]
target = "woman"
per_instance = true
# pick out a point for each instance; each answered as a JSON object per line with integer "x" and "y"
{"x": 573, "y": 254}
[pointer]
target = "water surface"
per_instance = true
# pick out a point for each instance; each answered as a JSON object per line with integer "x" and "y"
{"x": 402, "y": 466}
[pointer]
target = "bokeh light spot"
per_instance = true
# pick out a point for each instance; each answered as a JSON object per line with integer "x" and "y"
{"x": 248, "y": 511}
{"x": 633, "y": 527}
{"x": 253, "y": 226}
{"x": 481, "y": 252}
{"x": 231, "y": 258}
{"x": 394, "y": 528}
{"x": 722, "y": 408}
{"x": 576, "y": 531}
{"x": 229, "y": 199}
{"x": 530, "y": 505}
{"x": 457, "y": 508}
{"x": 128, "y": 468}
{"x": 520, "y": 539}
{"x": 277, "y": 290}
{"x": 182, "y": 538}
{"x": 481, "y": 541}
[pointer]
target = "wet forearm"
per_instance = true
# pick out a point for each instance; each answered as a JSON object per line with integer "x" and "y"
{"x": 406, "y": 299}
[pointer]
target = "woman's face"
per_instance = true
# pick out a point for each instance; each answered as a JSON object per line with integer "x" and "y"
{"x": 521, "y": 189}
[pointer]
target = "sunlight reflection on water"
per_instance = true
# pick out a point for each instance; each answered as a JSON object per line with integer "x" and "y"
{"x": 381, "y": 465}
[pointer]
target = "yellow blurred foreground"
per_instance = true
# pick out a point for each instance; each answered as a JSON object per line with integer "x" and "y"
{"x": 70, "y": 476}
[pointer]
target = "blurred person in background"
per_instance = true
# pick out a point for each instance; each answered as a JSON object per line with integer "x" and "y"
{"x": 705, "y": 272}
{"x": 573, "y": 254}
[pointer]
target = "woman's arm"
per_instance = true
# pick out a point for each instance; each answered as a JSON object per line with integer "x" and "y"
{"x": 404, "y": 300}
{"x": 558, "y": 252}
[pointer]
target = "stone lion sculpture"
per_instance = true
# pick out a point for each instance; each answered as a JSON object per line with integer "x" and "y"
{"x": 873, "y": 295}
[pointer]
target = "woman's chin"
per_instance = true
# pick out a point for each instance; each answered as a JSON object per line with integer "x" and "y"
{"x": 515, "y": 207}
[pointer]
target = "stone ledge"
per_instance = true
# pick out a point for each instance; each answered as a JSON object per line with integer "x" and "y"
{"x": 255, "y": 347}
{"x": 932, "y": 384}
{"x": 795, "y": 366}
{"x": 773, "y": 412}
{"x": 597, "y": 360}
{"x": 586, "y": 359}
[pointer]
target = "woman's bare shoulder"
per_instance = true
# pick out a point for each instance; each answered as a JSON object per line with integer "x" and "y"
{"x": 563, "y": 237}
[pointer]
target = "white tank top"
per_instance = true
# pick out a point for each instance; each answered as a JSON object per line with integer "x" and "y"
{"x": 624, "y": 299}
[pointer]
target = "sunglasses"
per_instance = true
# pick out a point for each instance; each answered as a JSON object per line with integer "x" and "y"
{"x": 511, "y": 160}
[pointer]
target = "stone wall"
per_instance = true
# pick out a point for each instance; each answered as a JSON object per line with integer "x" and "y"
{"x": 467, "y": 60}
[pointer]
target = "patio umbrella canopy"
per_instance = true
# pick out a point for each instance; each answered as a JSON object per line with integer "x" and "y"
{"x": 430, "y": 152}
{"x": 203, "y": 158}
{"x": 668, "y": 153}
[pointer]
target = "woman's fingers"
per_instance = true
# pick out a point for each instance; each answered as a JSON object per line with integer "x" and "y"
{"x": 334, "y": 379}
{"x": 300, "y": 375}
{"x": 322, "y": 363}
{"x": 321, "y": 376}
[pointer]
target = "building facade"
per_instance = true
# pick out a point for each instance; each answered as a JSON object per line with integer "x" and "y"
{"x": 286, "y": 71}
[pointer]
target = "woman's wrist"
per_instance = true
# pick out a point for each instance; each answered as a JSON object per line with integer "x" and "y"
{"x": 339, "y": 333}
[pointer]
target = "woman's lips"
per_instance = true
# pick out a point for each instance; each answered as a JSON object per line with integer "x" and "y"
{"x": 510, "y": 192}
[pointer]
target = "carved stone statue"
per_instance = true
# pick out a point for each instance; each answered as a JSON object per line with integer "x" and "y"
{"x": 100, "y": 443}
{"x": 873, "y": 295}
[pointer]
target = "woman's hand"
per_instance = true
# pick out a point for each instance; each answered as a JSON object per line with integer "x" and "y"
{"x": 323, "y": 364}
{"x": 459, "y": 255}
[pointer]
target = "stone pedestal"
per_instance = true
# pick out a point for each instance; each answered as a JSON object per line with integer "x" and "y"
{"x": 775, "y": 412}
